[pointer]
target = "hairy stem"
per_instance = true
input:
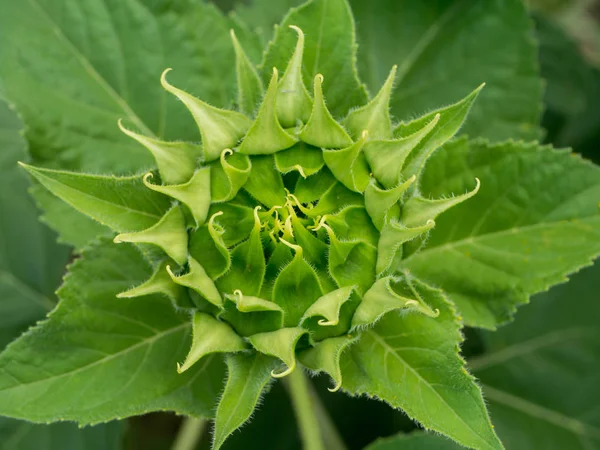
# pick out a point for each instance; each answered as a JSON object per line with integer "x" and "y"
{"x": 189, "y": 434}
{"x": 305, "y": 410}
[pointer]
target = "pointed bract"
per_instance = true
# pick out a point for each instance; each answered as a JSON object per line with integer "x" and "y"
{"x": 249, "y": 84}
{"x": 328, "y": 306}
{"x": 322, "y": 130}
{"x": 349, "y": 165}
{"x": 210, "y": 335}
{"x": 161, "y": 283}
{"x": 293, "y": 100}
{"x": 381, "y": 299}
{"x": 325, "y": 357}
{"x": 281, "y": 344}
{"x": 197, "y": 280}
{"x": 417, "y": 210}
{"x": 379, "y": 202}
{"x": 176, "y": 161}
{"x": 219, "y": 128}
{"x": 169, "y": 233}
{"x": 393, "y": 235}
{"x": 266, "y": 135}
{"x": 208, "y": 248}
{"x": 386, "y": 157}
{"x": 195, "y": 194}
{"x": 375, "y": 115}
{"x": 228, "y": 175}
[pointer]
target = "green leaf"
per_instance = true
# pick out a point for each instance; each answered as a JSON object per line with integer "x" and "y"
{"x": 414, "y": 441}
{"x": 411, "y": 361}
{"x": 72, "y": 108}
{"x": 250, "y": 315}
{"x": 534, "y": 220}
{"x": 265, "y": 183}
{"x": 329, "y": 49}
{"x": 249, "y": 376}
{"x": 17, "y": 435}
{"x": 31, "y": 263}
{"x": 304, "y": 158}
{"x": 124, "y": 204}
{"x": 445, "y": 48}
{"x": 540, "y": 373}
{"x": 137, "y": 341}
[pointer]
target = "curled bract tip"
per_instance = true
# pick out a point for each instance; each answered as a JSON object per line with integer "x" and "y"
{"x": 294, "y": 247}
{"x": 328, "y": 323}
{"x": 336, "y": 387}
{"x": 211, "y": 221}
{"x": 285, "y": 373}
{"x": 319, "y": 77}
{"x": 298, "y": 30}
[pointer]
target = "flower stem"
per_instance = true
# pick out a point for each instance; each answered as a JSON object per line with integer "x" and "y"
{"x": 331, "y": 436}
{"x": 189, "y": 434}
{"x": 305, "y": 410}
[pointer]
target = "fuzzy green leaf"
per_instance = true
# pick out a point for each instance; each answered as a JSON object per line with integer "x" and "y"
{"x": 265, "y": 183}
{"x": 124, "y": 204}
{"x": 534, "y": 221}
{"x": 445, "y": 48}
{"x": 349, "y": 165}
{"x": 249, "y": 376}
{"x": 329, "y": 49}
{"x": 208, "y": 248}
{"x": 411, "y": 361}
{"x": 415, "y": 441}
{"x": 250, "y": 315}
{"x": 554, "y": 346}
{"x": 325, "y": 357}
{"x": 138, "y": 341}
{"x": 305, "y": 159}
{"x": 228, "y": 175}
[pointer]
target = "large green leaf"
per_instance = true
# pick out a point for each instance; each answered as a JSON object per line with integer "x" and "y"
{"x": 534, "y": 221}
{"x": 73, "y": 68}
{"x": 414, "y": 441}
{"x": 445, "y": 49}
{"x": 540, "y": 374}
{"x": 411, "y": 361}
{"x": 16, "y": 435}
{"x": 330, "y": 50}
{"x": 97, "y": 357}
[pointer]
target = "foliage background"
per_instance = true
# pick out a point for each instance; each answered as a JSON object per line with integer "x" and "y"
{"x": 538, "y": 373}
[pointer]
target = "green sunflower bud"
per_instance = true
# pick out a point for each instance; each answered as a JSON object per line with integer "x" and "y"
{"x": 281, "y": 233}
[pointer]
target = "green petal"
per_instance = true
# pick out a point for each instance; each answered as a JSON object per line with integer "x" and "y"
{"x": 249, "y": 84}
{"x": 197, "y": 280}
{"x": 379, "y": 202}
{"x": 325, "y": 357}
{"x": 195, "y": 194}
{"x": 266, "y": 135}
{"x": 228, "y": 175}
{"x": 176, "y": 161}
{"x": 168, "y": 233}
{"x": 417, "y": 210}
{"x": 293, "y": 100}
{"x": 374, "y": 117}
{"x": 161, "y": 283}
{"x": 349, "y": 165}
{"x": 307, "y": 160}
{"x": 248, "y": 265}
{"x": 210, "y": 336}
{"x": 250, "y": 315}
{"x": 208, "y": 248}
{"x": 219, "y": 128}
{"x": 386, "y": 158}
{"x": 322, "y": 130}
{"x": 281, "y": 344}
{"x": 296, "y": 288}
{"x": 381, "y": 299}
